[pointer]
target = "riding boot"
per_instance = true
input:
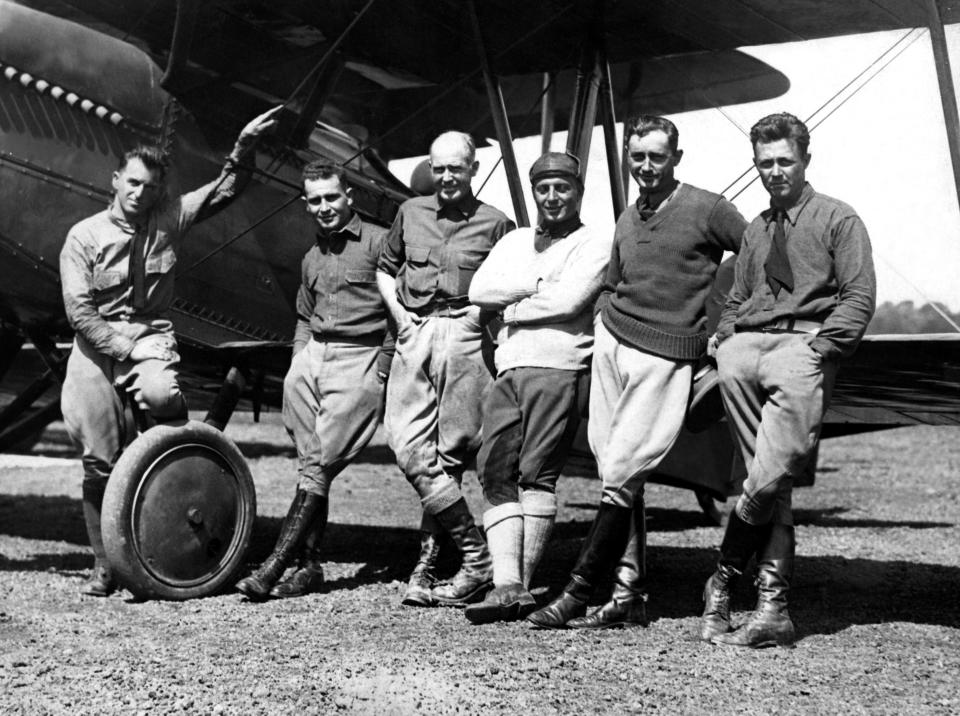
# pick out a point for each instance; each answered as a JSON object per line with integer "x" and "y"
{"x": 475, "y": 576}
{"x": 627, "y": 606}
{"x": 740, "y": 541}
{"x": 308, "y": 577}
{"x": 421, "y": 579}
{"x": 101, "y": 582}
{"x": 603, "y": 546}
{"x": 770, "y": 623}
{"x": 257, "y": 586}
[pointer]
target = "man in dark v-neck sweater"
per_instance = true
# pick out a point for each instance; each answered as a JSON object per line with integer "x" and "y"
{"x": 652, "y": 330}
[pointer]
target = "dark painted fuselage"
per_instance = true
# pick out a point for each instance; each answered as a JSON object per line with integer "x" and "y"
{"x": 72, "y": 101}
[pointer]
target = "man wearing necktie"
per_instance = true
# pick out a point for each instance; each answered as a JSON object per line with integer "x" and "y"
{"x": 803, "y": 293}
{"x": 649, "y": 332}
{"x": 543, "y": 282}
{"x": 116, "y": 271}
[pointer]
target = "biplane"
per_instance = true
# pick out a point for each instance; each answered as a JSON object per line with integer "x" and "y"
{"x": 362, "y": 82}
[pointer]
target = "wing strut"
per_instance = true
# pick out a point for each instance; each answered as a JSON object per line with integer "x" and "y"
{"x": 500, "y": 120}
{"x": 948, "y": 97}
{"x": 583, "y": 112}
{"x": 547, "y": 108}
{"x": 608, "y": 117}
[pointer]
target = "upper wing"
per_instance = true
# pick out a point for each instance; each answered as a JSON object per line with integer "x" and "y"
{"x": 666, "y": 55}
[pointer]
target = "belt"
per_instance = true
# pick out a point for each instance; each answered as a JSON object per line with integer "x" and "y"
{"x": 371, "y": 340}
{"x": 141, "y": 318}
{"x": 441, "y": 309}
{"x": 791, "y": 325}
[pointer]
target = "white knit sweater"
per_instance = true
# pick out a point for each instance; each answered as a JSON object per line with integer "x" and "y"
{"x": 546, "y": 297}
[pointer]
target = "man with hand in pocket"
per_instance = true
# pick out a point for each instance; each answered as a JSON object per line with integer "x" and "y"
{"x": 439, "y": 378}
{"x": 803, "y": 293}
{"x": 333, "y": 392}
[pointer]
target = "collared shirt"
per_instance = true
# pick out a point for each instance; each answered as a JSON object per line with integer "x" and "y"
{"x": 832, "y": 264}
{"x": 338, "y": 297}
{"x": 95, "y": 262}
{"x": 657, "y": 200}
{"x": 434, "y": 249}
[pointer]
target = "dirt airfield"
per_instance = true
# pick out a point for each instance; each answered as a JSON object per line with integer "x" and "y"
{"x": 875, "y": 602}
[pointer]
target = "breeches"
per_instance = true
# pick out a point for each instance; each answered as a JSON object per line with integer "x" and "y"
{"x": 775, "y": 391}
{"x": 637, "y": 405}
{"x": 332, "y": 401}
{"x": 98, "y": 389}
{"x": 529, "y": 422}
{"x": 438, "y": 382}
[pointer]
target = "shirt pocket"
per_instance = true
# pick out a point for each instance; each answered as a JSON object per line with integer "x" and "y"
{"x": 104, "y": 281}
{"x": 466, "y": 269}
{"x": 467, "y": 264}
{"x": 417, "y": 254}
{"x": 361, "y": 277}
{"x": 161, "y": 263}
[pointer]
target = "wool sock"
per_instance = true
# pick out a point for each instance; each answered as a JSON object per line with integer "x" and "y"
{"x": 539, "y": 514}
{"x": 504, "y": 527}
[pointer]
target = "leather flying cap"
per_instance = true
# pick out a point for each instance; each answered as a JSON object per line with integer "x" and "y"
{"x": 554, "y": 164}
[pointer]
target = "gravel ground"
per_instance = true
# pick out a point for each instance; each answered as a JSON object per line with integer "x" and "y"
{"x": 874, "y": 602}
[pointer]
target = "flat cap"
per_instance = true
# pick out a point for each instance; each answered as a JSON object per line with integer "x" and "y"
{"x": 554, "y": 164}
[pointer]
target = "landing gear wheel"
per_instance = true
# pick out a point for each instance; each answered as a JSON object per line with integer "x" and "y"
{"x": 178, "y": 512}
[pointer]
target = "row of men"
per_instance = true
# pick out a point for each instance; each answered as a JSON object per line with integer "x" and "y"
{"x": 587, "y": 322}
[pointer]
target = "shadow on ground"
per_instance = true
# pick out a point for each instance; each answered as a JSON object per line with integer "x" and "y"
{"x": 830, "y": 594}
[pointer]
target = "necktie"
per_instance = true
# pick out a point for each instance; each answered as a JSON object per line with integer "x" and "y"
{"x": 137, "y": 272}
{"x": 777, "y": 265}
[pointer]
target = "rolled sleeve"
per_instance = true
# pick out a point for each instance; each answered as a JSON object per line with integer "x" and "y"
{"x": 202, "y": 203}
{"x": 392, "y": 254}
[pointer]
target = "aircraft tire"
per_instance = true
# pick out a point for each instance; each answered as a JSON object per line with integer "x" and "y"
{"x": 178, "y": 513}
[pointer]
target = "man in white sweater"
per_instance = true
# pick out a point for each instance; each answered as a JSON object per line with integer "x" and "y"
{"x": 544, "y": 282}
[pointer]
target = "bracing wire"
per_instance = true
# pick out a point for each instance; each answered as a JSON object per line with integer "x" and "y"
{"x": 917, "y": 34}
{"x": 283, "y": 205}
{"x": 920, "y": 291}
{"x": 523, "y": 124}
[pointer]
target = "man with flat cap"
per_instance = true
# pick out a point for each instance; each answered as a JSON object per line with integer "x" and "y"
{"x": 543, "y": 282}
{"x": 650, "y": 332}
{"x": 438, "y": 376}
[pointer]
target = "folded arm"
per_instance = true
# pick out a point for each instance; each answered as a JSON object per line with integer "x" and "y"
{"x": 565, "y": 296}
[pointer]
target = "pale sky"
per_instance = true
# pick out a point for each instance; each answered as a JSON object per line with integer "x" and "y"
{"x": 884, "y": 152}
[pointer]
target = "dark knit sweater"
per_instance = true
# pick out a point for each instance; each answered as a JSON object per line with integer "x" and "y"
{"x": 661, "y": 271}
